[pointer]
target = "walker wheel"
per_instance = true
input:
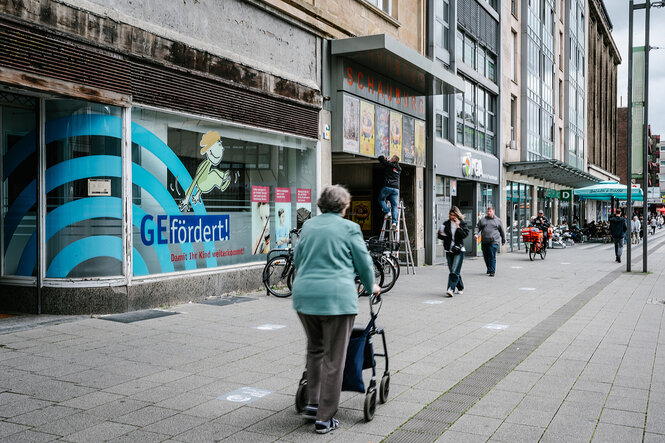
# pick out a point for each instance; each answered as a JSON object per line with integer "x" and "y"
{"x": 384, "y": 388}
{"x": 370, "y": 405}
{"x": 301, "y": 396}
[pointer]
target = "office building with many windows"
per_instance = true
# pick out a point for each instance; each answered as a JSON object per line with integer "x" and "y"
{"x": 543, "y": 105}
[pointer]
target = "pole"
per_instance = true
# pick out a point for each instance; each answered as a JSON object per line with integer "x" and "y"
{"x": 629, "y": 173}
{"x": 645, "y": 191}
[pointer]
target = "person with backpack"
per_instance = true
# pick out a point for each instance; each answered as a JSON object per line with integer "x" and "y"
{"x": 618, "y": 228}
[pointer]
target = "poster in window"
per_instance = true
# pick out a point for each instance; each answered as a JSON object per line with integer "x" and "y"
{"x": 395, "y": 134}
{"x": 303, "y": 206}
{"x": 420, "y": 143}
{"x": 260, "y": 219}
{"x": 351, "y": 118}
{"x": 408, "y": 141}
{"x": 382, "y": 132}
{"x": 366, "y": 128}
{"x": 362, "y": 214}
{"x": 282, "y": 217}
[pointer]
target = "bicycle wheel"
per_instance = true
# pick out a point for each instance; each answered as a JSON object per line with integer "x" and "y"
{"x": 378, "y": 279}
{"x": 532, "y": 251}
{"x": 395, "y": 261}
{"x": 543, "y": 253}
{"x": 276, "y": 276}
{"x": 389, "y": 274}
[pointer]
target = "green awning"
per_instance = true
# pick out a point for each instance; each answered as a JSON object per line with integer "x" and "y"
{"x": 606, "y": 190}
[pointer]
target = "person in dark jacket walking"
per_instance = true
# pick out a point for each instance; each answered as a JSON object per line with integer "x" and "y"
{"x": 491, "y": 231}
{"x": 453, "y": 232}
{"x": 618, "y": 228}
{"x": 390, "y": 190}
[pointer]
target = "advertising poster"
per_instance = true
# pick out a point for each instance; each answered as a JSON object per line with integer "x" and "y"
{"x": 395, "y": 134}
{"x": 408, "y": 141}
{"x": 303, "y": 206}
{"x": 282, "y": 217}
{"x": 362, "y": 214}
{"x": 420, "y": 143}
{"x": 351, "y": 121}
{"x": 366, "y": 128}
{"x": 382, "y": 132}
{"x": 260, "y": 220}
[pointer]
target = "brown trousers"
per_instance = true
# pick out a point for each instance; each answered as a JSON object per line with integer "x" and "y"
{"x": 327, "y": 340}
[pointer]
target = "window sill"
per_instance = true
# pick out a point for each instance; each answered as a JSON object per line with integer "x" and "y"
{"x": 381, "y": 13}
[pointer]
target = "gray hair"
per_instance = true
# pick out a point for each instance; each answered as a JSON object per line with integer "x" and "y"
{"x": 333, "y": 198}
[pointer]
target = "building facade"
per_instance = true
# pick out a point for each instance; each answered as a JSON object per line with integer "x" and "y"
{"x": 152, "y": 155}
{"x": 544, "y": 104}
{"x": 464, "y": 169}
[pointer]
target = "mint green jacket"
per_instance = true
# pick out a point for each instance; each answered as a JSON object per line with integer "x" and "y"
{"x": 329, "y": 252}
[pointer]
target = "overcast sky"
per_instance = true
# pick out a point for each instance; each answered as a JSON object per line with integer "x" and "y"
{"x": 618, "y": 11}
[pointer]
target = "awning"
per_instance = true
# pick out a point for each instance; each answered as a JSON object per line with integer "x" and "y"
{"x": 393, "y": 59}
{"x": 607, "y": 190}
{"x": 554, "y": 171}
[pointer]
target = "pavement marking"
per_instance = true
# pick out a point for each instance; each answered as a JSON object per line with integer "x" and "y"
{"x": 269, "y": 327}
{"x": 656, "y": 301}
{"x": 527, "y": 289}
{"x": 244, "y": 395}
{"x": 433, "y": 302}
{"x": 496, "y": 326}
{"x": 565, "y": 263}
{"x": 435, "y": 419}
{"x": 516, "y": 267}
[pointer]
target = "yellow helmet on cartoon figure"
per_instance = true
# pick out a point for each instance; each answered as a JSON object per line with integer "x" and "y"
{"x": 208, "y": 139}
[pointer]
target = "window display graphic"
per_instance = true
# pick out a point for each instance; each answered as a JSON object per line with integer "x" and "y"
{"x": 303, "y": 206}
{"x": 207, "y": 175}
{"x": 408, "y": 142}
{"x": 366, "y": 128}
{"x": 382, "y": 139}
{"x": 362, "y": 214}
{"x": 283, "y": 217}
{"x": 260, "y": 219}
{"x": 395, "y": 134}
{"x": 420, "y": 143}
{"x": 351, "y": 117}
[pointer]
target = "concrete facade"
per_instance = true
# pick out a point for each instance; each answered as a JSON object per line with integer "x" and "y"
{"x": 602, "y": 88}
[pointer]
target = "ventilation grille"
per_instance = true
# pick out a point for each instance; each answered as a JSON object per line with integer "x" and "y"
{"x": 476, "y": 20}
{"x": 33, "y": 51}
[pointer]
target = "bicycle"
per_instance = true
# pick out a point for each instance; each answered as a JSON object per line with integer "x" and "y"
{"x": 382, "y": 256}
{"x": 279, "y": 271}
{"x": 533, "y": 242}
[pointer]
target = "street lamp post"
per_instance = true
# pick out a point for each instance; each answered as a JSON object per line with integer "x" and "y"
{"x": 645, "y": 123}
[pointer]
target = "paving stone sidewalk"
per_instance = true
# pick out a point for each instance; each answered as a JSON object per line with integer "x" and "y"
{"x": 598, "y": 376}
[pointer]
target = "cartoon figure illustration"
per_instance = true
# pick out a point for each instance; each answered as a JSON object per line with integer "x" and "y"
{"x": 207, "y": 177}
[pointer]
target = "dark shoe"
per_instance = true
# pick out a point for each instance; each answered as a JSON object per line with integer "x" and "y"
{"x": 323, "y": 427}
{"x": 619, "y": 259}
{"x": 310, "y": 412}
{"x": 491, "y": 274}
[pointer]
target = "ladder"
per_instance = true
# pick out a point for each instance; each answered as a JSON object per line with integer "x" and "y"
{"x": 393, "y": 234}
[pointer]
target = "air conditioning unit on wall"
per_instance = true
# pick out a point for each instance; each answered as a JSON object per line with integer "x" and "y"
{"x": 511, "y": 144}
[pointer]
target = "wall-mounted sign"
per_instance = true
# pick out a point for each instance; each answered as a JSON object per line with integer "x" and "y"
{"x": 379, "y": 89}
{"x": 99, "y": 187}
{"x": 566, "y": 194}
{"x": 472, "y": 167}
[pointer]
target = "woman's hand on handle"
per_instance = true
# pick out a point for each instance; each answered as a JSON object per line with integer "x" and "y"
{"x": 377, "y": 289}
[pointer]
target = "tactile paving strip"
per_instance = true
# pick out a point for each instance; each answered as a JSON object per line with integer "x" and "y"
{"x": 428, "y": 424}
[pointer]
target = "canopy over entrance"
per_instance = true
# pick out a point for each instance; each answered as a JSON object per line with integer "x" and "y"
{"x": 606, "y": 190}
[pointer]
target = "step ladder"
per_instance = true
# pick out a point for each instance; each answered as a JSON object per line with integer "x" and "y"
{"x": 394, "y": 235}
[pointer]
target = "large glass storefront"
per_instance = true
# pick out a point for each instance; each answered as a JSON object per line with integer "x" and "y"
{"x": 203, "y": 193}
{"x": 518, "y": 211}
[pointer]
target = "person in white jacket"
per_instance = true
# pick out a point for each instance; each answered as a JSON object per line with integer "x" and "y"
{"x": 635, "y": 230}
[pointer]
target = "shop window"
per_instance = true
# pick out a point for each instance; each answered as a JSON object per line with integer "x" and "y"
{"x": 83, "y": 189}
{"x": 18, "y": 187}
{"x": 208, "y": 194}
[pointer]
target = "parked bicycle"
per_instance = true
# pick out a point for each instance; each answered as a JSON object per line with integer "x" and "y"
{"x": 279, "y": 271}
{"x": 382, "y": 252}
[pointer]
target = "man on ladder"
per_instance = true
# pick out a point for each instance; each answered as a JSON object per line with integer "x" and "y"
{"x": 390, "y": 190}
